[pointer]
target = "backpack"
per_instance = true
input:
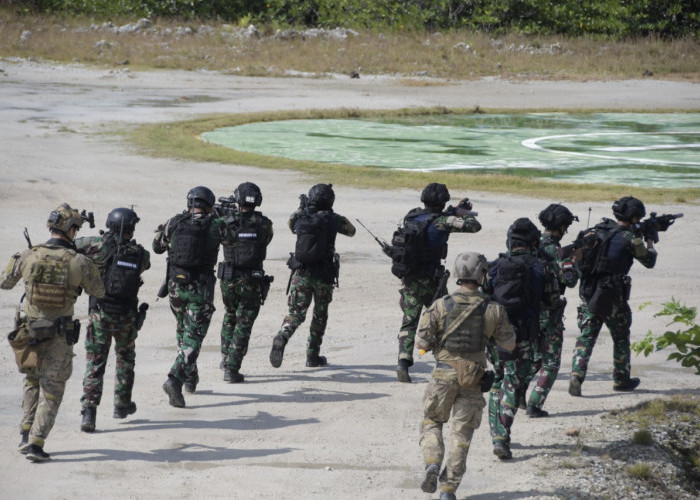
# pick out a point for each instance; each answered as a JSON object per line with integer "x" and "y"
{"x": 594, "y": 262}
{"x": 122, "y": 278}
{"x": 518, "y": 283}
{"x": 409, "y": 252}
{"x": 315, "y": 237}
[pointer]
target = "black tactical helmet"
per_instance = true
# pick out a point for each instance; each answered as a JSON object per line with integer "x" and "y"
{"x": 628, "y": 207}
{"x": 523, "y": 233}
{"x": 322, "y": 196}
{"x": 200, "y": 197}
{"x": 435, "y": 195}
{"x": 122, "y": 219}
{"x": 248, "y": 195}
{"x": 555, "y": 216}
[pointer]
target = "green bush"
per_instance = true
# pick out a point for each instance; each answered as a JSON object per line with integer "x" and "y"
{"x": 607, "y": 18}
{"x": 686, "y": 341}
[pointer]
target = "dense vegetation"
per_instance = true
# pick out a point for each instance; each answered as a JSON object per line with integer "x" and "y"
{"x": 616, "y": 19}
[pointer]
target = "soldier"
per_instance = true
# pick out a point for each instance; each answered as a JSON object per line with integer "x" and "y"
{"x": 121, "y": 262}
{"x": 605, "y": 290}
{"x": 192, "y": 241}
{"x": 523, "y": 284}
{"x": 54, "y": 276}
{"x": 456, "y": 328}
{"x": 243, "y": 281}
{"x": 556, "y": 220}
{"x": 315, "y": 267}
{"x": 423, "y": 277}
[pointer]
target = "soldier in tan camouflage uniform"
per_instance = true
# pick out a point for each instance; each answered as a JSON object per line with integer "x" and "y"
{"x": 54, "y": 276}
{"x": 456, "y": 328}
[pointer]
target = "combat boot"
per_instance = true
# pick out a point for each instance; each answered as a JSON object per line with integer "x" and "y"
{"x": 23, "y": 446}
{"x": 89, "y": 414}
{"x": 233, "y": 377}
{"x": 36, "y": 453}
{"x": 628, "y": 386}
{"x": 316, "y": 361}
{"x": 124, "y": 411}
{"x": 575, "y": 386}
{"x": 447, "y": 496}
{"x": 190, "y": 386}
{"x": 277, "y": 352}
{"x": 502, "y": 450}
{"x": 402, "y": 371}
{"x": 534, "y": 412}
{"x": 430, "y": 478}
{"x": 173, "y": 388}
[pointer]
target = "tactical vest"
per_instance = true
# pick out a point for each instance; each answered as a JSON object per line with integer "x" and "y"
{"x": 122, "y": 275}
{"x": 192, "y": 246}
{"x": 251, "y": 248}
{"x": 468, "y": 336}
{"x": 47, "y": 285}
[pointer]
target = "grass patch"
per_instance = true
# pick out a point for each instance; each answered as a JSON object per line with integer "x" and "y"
{"x": 459, "y": 54}
{"x": 640, "y": 470}
{"x": 642, "y": 437}
{"x": 180, "y": 140}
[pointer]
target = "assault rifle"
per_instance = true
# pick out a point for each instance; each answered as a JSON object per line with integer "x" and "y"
{"x": 386, "y": 248}
{"x": 227, "y": 206}
{"x": 649, "y": 228}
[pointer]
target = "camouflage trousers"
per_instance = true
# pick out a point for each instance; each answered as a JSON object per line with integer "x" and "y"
{"x": 442, "y": 397}
{"x": 618, "y": 322}
{"x": 102, "y": 329}
{"x": 302, "y": 291}
{"x": 193, "y": 309}
{"x": 547, "y": 357}
{"x": 507, "y": 388}
{"x": 44, "y": 387}
{"x": 415, "y": 294}
{"x": 241, "y": 297}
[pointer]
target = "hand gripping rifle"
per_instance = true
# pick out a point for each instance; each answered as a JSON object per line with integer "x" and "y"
{"x": 650, "y": 227}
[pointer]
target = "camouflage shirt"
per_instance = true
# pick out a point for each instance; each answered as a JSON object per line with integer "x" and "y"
{"x": 71, "y": 273}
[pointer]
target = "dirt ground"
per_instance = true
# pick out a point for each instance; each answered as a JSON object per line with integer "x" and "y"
{"x": 348, "y": 430}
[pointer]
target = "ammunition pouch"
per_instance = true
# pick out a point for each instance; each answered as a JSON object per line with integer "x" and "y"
{"x": 24, "y": 348}
{"x": 469, "y": 373}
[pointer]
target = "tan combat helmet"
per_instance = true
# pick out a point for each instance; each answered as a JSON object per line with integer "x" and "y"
{"x": 470, "y": 266}
{"x": 64, "y": 218}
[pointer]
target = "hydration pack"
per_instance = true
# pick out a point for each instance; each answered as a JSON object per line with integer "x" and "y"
{"x": 122, "y": 277}
{"x": 315, "y": 237}
{"x": 251, "y": 248}
{"x": 594, "y": 262}
{"x": 409, "y": 251}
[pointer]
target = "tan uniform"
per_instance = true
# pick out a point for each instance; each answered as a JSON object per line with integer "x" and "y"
{"x": 54, "y": 276}
{"x": 462, "y": 321}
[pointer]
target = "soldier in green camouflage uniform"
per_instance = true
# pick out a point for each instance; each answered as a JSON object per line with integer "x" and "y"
{"x": 54, "y": 276}
{"x": 242, "y": 278}
{"x": 315, "y": 267}
{"x": 456, "y": 328}
{"x": 121, "y": 261}
{"x": 423, "y": 282}
{"x": 556, "y": 220}
{"x": 192, "y": 241}
{"x": 605, "y": 293}
{"x": 541, "y": 290}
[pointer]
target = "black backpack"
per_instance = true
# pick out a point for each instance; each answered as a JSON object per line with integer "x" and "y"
{"x": 122, "y": 278}
{"x": 516, "y": 286}
{"x": 409, "y": 251}
{"x": 594, "y": 262}
{"x": 315, "y": 238}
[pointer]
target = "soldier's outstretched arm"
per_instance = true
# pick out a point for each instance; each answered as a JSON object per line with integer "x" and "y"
{"x": 345, "y": 227}
{"x": 13, "y": 271}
